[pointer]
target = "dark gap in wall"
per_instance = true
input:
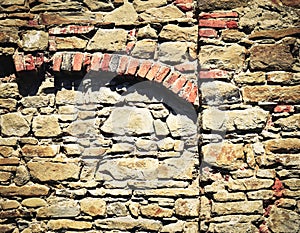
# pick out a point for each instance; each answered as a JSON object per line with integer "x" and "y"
{"x": 7, "y": 66}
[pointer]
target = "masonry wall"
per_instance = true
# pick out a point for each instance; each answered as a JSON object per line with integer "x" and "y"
{"x": 149, "y": 116}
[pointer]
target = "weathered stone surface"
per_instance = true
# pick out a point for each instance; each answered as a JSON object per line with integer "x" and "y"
{"x": 271, "y": 57}
{"x": 35, "y": 40}
{"x": 46, "y": 126}
{"x": 230, "y": 35}
{"x": 155, "y": 211}
{"x": 57, "y": 5}
{"x": 26, "y": 190}
{"x": 293, "y": 184}
{"x": 217, "y": 92}
{"x": 228, "y": 58}
{"x": 250, "y": 184}
{"x": 252, "y": 118}
{"x": 127, "y": 169}
{"x": 276, "y": 34}
{"x": 108, "y": 40}
{"x": 164, "y": 14}
{"x": 9, "y": 204}
{"x": 51, "y": 18}
{"x": 70, "y": 43}
{"x": 128, "y": 223}
{"x": 9, "y": 90}
{"x": 5, "y": 176}
{"x": 176, "y": 33}
{"x": 282, "y": 220}
{"x": 9, "y": 35}
{"x": 9, "y": 104}
{"x": 117, "y": 209}
{"x": 147, "y": 32}
{"x": 7, "y": 228}
{"x": 124, "y": 15}
{"x": 173, "y": 227}
{"x": 232, "y": 227}
{"x": 289, "y": 145}
{"x": 22, "y": 175}
{"x": 173, "y": 52}
{"x": 221, "y": 5}
{"x": 15, "y": 213}
{"x": 224, "y": 195}
{"x": 35, "y": 101}
{"x": 289, "y": 123}
{"x": 14, "y": 124}
{"x": 6, "y": 151}
{"x": 60, "y": 209}
{"x": 181, "y": 126}
{"x": 40, "y": 151}
{"x": 34, "y": 202}
{"x": 93, "y": 206}
{"x": 260, "y": 195}
{"x": 250, "y": 78}
{"x": 68, "y": 224}
{"x": 223, "y": 154}
{"x": 271, "y": 93}
{"x": 129, "y": 121}
{"x": 187, "y": 207}
{"x": 281, "y": 77}
{"x": 169, "y": 192}
{"x": 67, "y": 97}
{"x": 141, "y": 5}
{"x": 241, "y": 207}
{"x": 46, "y": 171}
{"x": 144, "y": 49}
{"x": 95, "y": 5}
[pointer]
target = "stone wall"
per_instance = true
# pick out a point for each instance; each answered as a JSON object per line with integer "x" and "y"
{"x": 149, "y": 116}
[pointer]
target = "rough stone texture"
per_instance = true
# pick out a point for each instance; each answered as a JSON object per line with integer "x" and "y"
{"x": 223, "y": 4}
{"x": 60, "y": 210}
{"x": 14, "y": 124}
{"x": 26, "y": 190}
{"x": 228, "y": 58}
{"x": 35, "y": 40}
{"x": 124, "y": 15}
{"x": 271, "y": 57}
{"x": 46, "y": 126}
{"x": 34, "y": 202}
{"x": 129, "y": 120}
{"x": 187, "y": 207}
{"x": 144, "y": 49}
{"x": 140, "y": 5}
{"x": 69, "y": 224}
{"x": 93, "y": 206}
{"x": 154, "y": 211}
{"x": 40, "y": 151}
{"x": 173, "y": 52}
{"x": 282, "y": 220}
{"x": 164, "y": 14}
{"x": 244, "y": 207}
{"x": 108, "y": 40}
{"x": 46, "y": 171}
{"x": 253, "y": 118}
{"x": 175, "y": 33}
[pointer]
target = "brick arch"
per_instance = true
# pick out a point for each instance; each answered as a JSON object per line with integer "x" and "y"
{"x": 116, "y": 63}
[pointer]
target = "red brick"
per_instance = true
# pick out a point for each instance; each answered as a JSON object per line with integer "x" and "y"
{"x": 212, "y": 23}
{"x": 163, "y": 72}
{"x": 186, "y": 90}
{"x": 193, "y": 95}
{"x": 57, "y": 60}
{"x": 213, "y": 74}
{"x": 132, "y": 66}
{"x": 123, "y": 63}
{"x": 77, "y": 61}
{"x": 52, "y": 43}
{"x": 231, "y": 24}
{"x": 105, "y": 62}
{"x": 171, "y": 79}
{"x": 144, "y": 68}
{"x": 190, "y": 66}
{"x": 218, "y": 15}
{"x": 29, "y": 62}
{"x": 284, "y": 108}
{"x": 208, "y": 32}
{"x": 39, "y": 60}
{"x": 19, "y": 63}
{"x": 87, "y": 61}
{"x": 179, "y": 83}
{"x": 96, "y": 61}
{"x": 153, "y": 71}
{"x": 129, "y": 47}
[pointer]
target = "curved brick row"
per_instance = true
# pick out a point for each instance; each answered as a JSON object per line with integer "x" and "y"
{"x": 120, "y": 64}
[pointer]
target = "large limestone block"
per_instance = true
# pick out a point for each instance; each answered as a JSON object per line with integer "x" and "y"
{"x": 141, "y": 5}
{"x": 144, "y": 49}
{"x": 47, "y": 171}
{"x": 124, "y": 15}
{"x": 93, "y": 206}
{"x": 163, "y": 14}
{"x": 177, "y": 33}
{"x": 181, "y": 126}
{"x": 173, "y": 52}
{"x": 14, "y": 124}
{"x": 129, "y": 121}
{"x": 46, "y": 126}
{"x": 35, "y": 40}
{"x": 229, "y": 58}
{"x": 108, "y": 40}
